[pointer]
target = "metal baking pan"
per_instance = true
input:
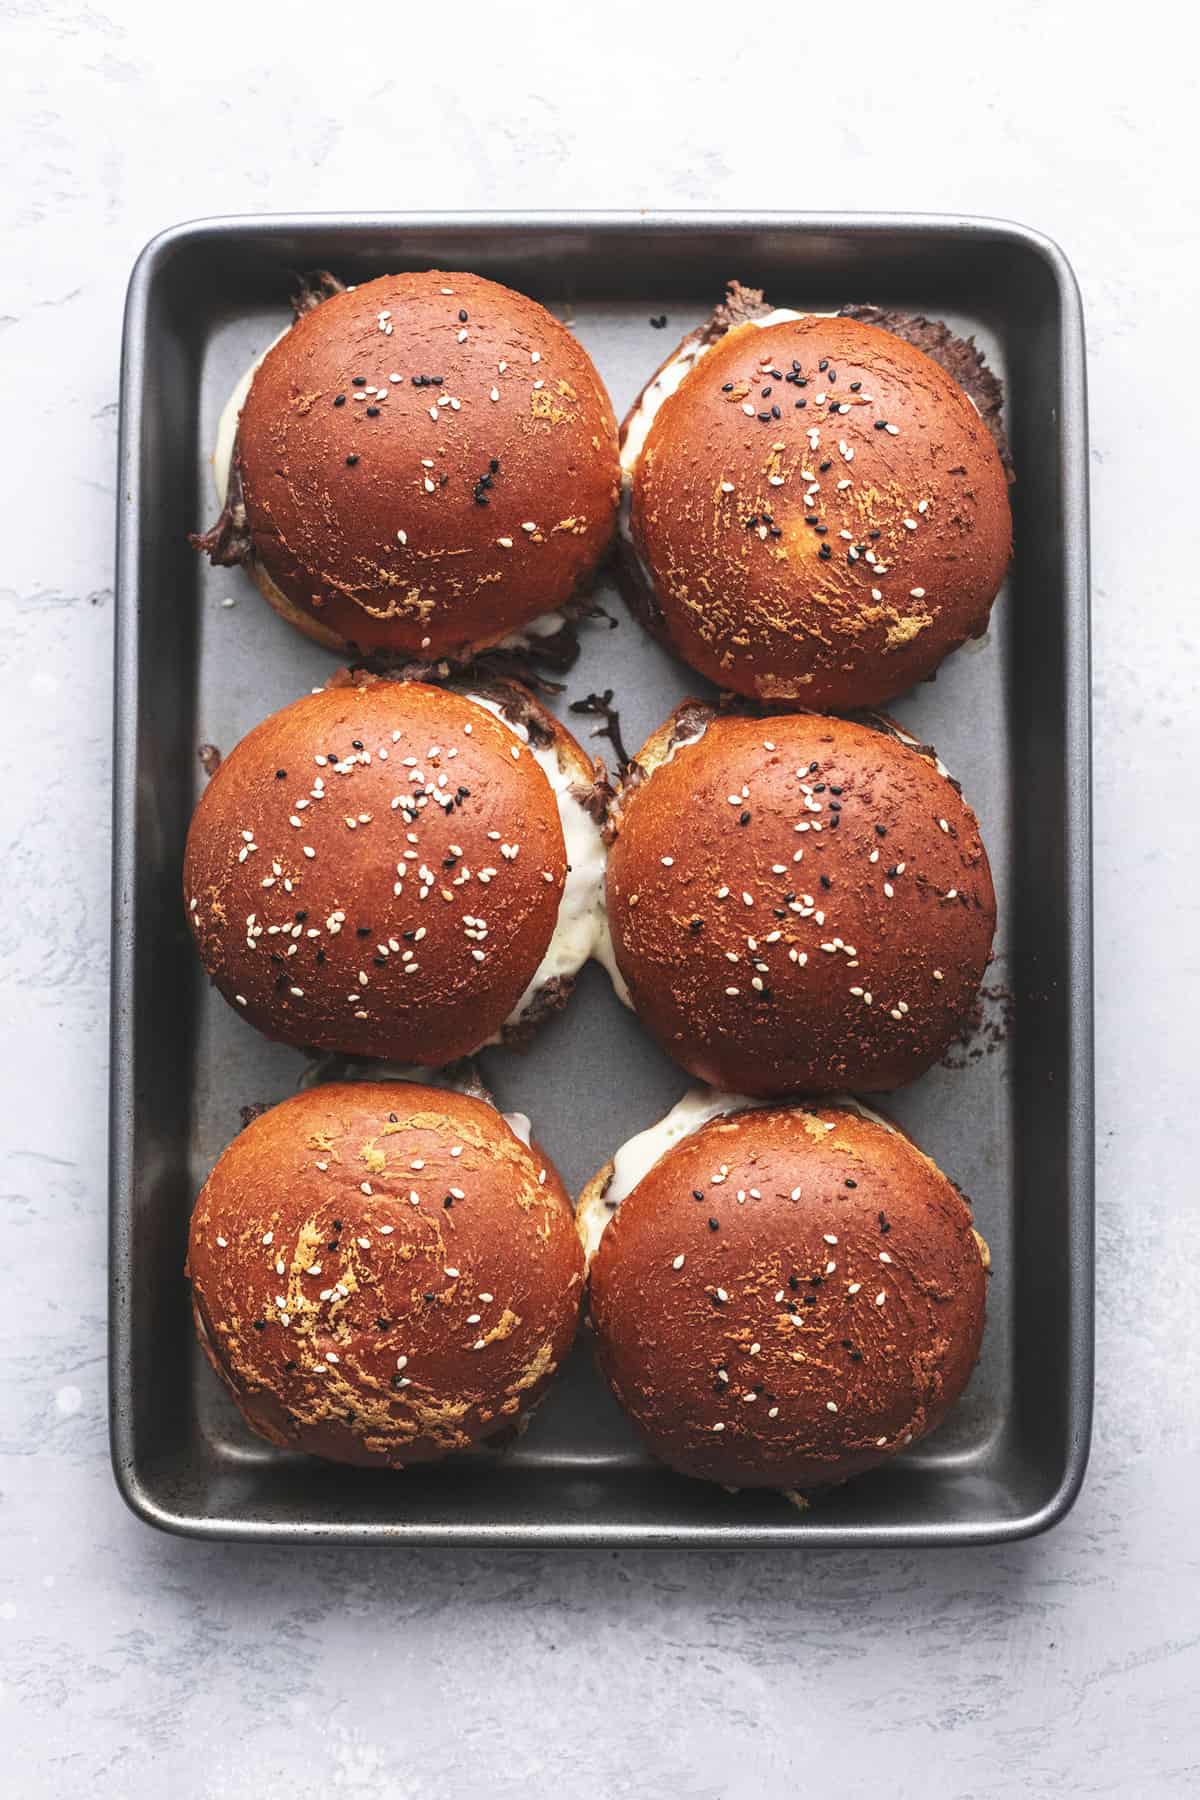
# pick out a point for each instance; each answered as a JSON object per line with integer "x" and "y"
{"x": 1013, "y": 1125}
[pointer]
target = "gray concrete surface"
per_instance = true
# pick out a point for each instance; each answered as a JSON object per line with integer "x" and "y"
{"x": 135, "y": 1665}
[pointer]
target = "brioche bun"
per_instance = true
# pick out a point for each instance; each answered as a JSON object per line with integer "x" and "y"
{"x": 797, "y": 903}
{"x": 423, "y": 464}
{"x": 802, "y": 554}
{"x": 351, "y": 1323}
{"x": 380, "y": 869}
{"x": 788, "y": 1297}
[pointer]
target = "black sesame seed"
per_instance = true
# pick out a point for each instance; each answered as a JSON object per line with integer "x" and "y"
{"x": 825, "y": 882}
{"x": 714, "y": 1224}
{"x": 793, "y": 1282}
{"x": 766, "y": 393}
{"x": 850, "y": 1183}
{"x": 812, "y": 518}
{"x": 810, "y": 1299}
{"x": 320, "y": 956}
{"x": 428, "y": 1298}
{"x": 744, "y": 819}
{"x": 350, "y": 461}
{"x": 883, "y": 1224}
{"x": 823, "y": 467}
{"x": 695, "y": 924}
{"x": 775, "y": 413}
{"x": 856, "y": 1356}
{"x": 824, "y": 553}
{"x": 289, "y": 1366}
{"x": 832, "y": 376}
{"x": 881, "y": 831}
{"x": 697, "y": 1194}
{"x": 881, "y": 424}
{"x": 281, "y": 774}
{"x": 874, "y": 534}
{"x": 728, "y": 388}
{"x": 855, "y": 386}
{"x": 462, "y": 317}
{"x": 260, "y": 1324}
{"x": 340, "y": 400}
{"x": 392, "y": 1120}
{"x": 765, "y": 417}
{"x": 358, "y": 381}
{"x": 801, "y": 403}
{"x": 372, "y": 412}
{"x": 803, "y": 381}
{"x": 448, "y": 1202}
{"x": 362, "y": 931}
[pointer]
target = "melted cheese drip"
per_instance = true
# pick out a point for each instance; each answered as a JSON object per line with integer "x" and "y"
{"x": 581, "y": 929}
{"x": 635, "y": 1159}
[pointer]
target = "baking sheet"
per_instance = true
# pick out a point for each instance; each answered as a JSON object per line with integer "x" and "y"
{"x": 1011, "y": 1124}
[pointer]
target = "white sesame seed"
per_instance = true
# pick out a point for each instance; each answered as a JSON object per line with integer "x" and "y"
{"x": 880, "y": 1298}
{"x": 831, "y": 1406}
{"x": 678, "y": 1263}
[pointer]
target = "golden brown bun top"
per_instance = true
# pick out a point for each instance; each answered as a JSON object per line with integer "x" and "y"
{"x": 293, "y": 883}
{"x": 804, "y": 1278}
{"x": 798, "y": 904}
{"x": 747, "y": 521}
{"x": 330, "y": 480}
{"x": 323, "y": 1291}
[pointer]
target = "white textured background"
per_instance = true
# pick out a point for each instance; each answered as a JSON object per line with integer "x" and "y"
{"x": 135, "y": 1665}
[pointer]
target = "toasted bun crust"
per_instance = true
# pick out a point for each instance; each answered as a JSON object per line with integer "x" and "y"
{"x": 756, "y": 607}
{"x": 393, "y": 1333}
{"x": 333, "y": 973}
{"x": 324, "y": 529}
{"x": 880, "y": 1005}
{"x": 810, "y": 1376}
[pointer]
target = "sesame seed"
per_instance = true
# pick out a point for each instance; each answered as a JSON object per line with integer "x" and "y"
{"x": 678, "y": 1263}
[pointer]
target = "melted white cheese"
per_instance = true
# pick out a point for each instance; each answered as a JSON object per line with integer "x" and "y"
{"x": 672, "y": 376}
{"x": 635, "y": 1159}
{"x": 581, "y": 925}
{"x": 518, "y": 1124}
{"x": 222, "y": 460}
